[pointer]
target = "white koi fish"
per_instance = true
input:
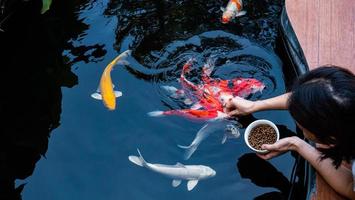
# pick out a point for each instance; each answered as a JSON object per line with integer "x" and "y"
{"x": 234, "y": 9}
{"x": 230, "y": 131}
{"x": 191, "y": 173}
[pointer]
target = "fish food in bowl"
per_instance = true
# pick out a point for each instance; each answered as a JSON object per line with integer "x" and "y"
{"x": 261, "y": 132}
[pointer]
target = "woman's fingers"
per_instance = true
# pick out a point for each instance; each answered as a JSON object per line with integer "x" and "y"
{"x": 271, "y": 147}
{"x": 281, "y": 145}
{"x": 229, "y": 104}
{"x": 233, "y": 113}
{"x": 269, "y": 155}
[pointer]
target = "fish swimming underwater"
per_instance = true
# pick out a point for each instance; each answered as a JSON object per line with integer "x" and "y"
{"x": 206, "y": 102}
{"x": 234, "y": 9}
{"x": 207, "y": 99}
{"x": 105, "y": 91}
{"x": 191, "y": 173}
{"x": 230, "y": 131}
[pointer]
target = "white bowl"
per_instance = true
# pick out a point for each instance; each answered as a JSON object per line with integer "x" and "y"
{"x": 257, "y": 123}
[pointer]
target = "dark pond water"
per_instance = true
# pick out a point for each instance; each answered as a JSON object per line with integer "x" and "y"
{"x": 87, "y": 153}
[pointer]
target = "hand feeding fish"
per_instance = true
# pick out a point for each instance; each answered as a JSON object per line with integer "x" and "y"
{"x": 179, "y": 172}
{"x": 207, "y": 102}
{"x": 105, "y": 90}
{"x": 210, "y": 95}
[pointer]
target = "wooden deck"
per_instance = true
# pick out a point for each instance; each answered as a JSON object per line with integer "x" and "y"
{"x": 325, "y": 30}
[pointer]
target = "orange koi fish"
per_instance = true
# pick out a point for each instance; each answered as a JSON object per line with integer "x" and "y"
{"x": 105, "y": 91}
{"x": 234, "y": 9}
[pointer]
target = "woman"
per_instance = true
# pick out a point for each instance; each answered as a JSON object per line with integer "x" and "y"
{"x": 322, "y": 102}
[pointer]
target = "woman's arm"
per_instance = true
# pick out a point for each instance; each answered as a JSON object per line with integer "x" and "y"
{"x": 340, "y": 179}
{"x": 239, "y": 106}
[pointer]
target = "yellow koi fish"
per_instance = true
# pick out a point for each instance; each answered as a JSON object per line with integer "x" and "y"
{"x": 105, "y": 91}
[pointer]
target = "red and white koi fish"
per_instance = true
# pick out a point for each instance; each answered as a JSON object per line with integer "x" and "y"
{"x": 208, "y": 98}
{"x": 234, "y": 9}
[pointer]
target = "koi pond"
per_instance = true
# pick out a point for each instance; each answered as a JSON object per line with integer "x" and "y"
{"x": 88, "y": 147}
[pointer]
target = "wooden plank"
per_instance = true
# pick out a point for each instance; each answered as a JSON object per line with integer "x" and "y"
{"x": 325, "y": 30}
{"x": 343, "y": 33}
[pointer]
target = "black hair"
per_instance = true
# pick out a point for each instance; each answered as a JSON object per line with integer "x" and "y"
{"x": 323, "y": 102}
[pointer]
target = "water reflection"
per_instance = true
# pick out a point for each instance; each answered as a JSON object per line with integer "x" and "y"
{"x": 33, "y": 71}
{"x": 148, "y": 24}
{"x": 263, "y": 174}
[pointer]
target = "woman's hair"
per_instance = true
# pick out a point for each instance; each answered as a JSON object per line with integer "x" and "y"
{"x": 323, "y": 102}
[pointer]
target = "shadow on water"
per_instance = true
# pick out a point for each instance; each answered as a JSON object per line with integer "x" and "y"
{"x": 33, "y": 71}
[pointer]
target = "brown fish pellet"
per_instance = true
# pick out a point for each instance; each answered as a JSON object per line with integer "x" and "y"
{"x": 262, "y": 134}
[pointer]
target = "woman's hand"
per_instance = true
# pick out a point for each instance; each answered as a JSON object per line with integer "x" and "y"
{"x": 281, "y": 146}
{"x": 238, "y": 106}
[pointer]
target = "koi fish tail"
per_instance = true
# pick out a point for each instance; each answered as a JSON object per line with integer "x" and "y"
{"x": 156, "y": 113}
{"x": 185, "y": 69}
{"x": 174, "y": 92}
{"x": 206, "y": 72}
{"x": 187, "y": 66}
{"x": 159, "y": 113}
{"x": 138, "y": 160}
{"x": 189, "y": 150}
{"x": 188, "y": 113}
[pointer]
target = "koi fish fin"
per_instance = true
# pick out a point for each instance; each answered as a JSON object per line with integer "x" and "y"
{"x": 222, "y": 9}
{"x": 196, "y": 106}
{"x": 220, "y": 115}
{"x": 179, "y": 164}
{"x": 170, "y": 89}
{"x": 176, "y": 183}
{"x": 188, "y": 101}
{"x": 241, "y": 13}
{"x": 138, "y": 160}
{"x": 96, "y": 96}
{"x": 224, "y": 139}
{"x": 173, "y": 91}
{"x": 118, "y": 94}
{"x": 156, "y": 113}
{"x": 183, "y": 147}
{"x": 191, "y": 184}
